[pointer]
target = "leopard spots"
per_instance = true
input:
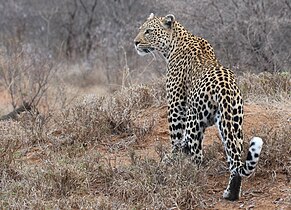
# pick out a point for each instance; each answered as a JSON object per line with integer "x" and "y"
{"x": 200, "y": 93}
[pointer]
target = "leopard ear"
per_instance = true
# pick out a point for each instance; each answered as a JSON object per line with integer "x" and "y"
{"x": 168, "y": 21}
{"x": 151, "y": 16}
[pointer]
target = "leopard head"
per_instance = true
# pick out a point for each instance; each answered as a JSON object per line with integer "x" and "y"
{"x": 155, "y": 34}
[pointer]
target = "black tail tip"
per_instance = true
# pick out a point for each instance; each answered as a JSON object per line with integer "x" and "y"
{"x": 233, "y": 193}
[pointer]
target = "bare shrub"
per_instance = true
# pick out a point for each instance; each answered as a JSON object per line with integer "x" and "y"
{"x": 29, "y": 78}
{"x": 246, "y": 35}
{"x": 25, "y": 77}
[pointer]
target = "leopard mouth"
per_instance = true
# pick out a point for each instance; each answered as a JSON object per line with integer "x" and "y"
{"x": 143, "y": 50}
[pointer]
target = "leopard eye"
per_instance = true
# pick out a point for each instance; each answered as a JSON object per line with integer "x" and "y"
{"x": 148, "y": 31}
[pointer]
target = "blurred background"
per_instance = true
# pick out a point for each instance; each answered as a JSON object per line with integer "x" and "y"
{"x": 89, "y": 43}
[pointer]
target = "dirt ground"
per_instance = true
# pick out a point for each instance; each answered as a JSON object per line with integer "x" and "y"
{"x": 256, "y": 192}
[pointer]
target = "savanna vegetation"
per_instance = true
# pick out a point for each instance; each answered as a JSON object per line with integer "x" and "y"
{"x": 83, "y": 117}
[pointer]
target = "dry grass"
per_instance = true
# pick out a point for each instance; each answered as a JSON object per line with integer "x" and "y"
{"x": 89, "y": 180}
{"x": 63, "y": 163}
{"x": 275, "y": 158}
{"x": 150, "y": 184}
{"x": 92, "y": 120}
{"x": 265, "y": 86}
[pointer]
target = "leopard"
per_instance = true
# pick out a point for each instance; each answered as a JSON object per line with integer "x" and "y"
{"x": 200, "y": 92}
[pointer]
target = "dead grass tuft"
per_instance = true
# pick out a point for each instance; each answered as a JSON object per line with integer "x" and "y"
{"x": 12, "y": 138}
{"x": 275, "y": 157}
{"x": 93, "y": 120}
{"x": 147, "y": 183}
{"x": 266, "y": 86}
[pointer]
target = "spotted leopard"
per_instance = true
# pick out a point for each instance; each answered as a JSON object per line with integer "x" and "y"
{"x": 200, "y": 92}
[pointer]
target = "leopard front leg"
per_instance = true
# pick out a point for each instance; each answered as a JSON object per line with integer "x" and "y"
{"x": 177, "y": 107}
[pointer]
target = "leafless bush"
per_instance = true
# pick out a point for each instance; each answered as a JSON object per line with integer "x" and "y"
{"x": 247, "y": 35}
{"x": 25, "y": 77}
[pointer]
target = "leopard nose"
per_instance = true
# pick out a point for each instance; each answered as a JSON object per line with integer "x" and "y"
{"x": 136, "y": 43}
